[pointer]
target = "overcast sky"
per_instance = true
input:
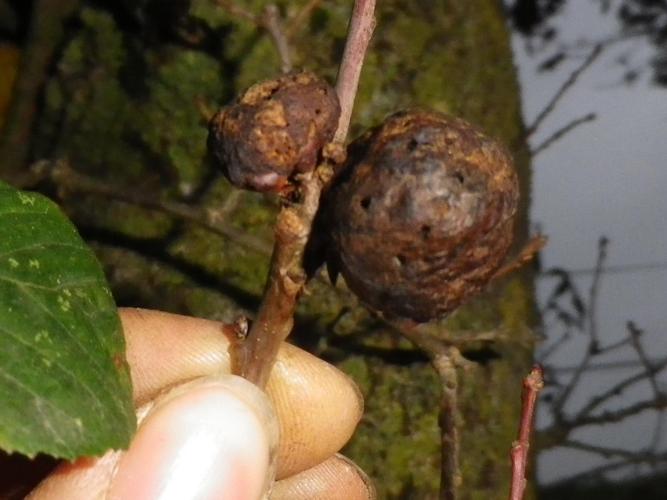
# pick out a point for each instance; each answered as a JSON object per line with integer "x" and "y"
{"x": 607, "y": 177}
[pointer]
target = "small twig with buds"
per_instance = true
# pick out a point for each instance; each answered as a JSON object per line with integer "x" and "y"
{"x": 532, "y": 385}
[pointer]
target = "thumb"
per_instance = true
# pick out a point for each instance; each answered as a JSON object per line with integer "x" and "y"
{"x": 210, "y": 438}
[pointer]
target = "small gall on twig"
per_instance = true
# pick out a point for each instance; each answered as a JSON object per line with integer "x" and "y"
{"x": 532, "y": 385}
{"x": 274, "y": 131}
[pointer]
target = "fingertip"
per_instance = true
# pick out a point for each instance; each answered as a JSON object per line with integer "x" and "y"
{"x": 165, "y": 349}
{"x": 337, "y": 478}
{"x": 318, "y": 407}
{"x": 211, "y": 438}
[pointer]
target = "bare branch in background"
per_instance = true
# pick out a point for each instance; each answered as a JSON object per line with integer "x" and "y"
{"x": 235, "y": 9}
{"x": 269, "y": 21}
{"x": 68, "y": 179}
{"x": 567, "y": 84}
{"x": 45, "y": 34}
{"x": 593, "y": 347}
{"x": 562, "y": 132}
{"x": 273, "y": 24}
{"x": 601, "y": 408}
{"x": 658, "y": 394}
{"x": 301, "y": 17}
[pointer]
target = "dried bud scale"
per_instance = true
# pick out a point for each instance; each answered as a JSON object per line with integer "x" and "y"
{"x": 424, "y": 216}
{"x": 276, "y": 129}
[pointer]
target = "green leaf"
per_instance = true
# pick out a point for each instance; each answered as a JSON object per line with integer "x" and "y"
{"x": 65, "y": 387}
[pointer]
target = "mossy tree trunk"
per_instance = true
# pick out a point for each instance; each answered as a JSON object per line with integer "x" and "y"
{"x": 125, "y": 104}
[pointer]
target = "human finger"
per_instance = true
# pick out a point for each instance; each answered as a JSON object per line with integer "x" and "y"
{"x": 318, "y": 407}
{"x": 214, "y": 437}
{"x": 337, "y": 478}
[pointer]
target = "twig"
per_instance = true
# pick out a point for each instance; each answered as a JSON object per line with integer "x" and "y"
{"x": 599, "y": 472}
{"x": 555, "y": 346}
{"x": 561, "y": 132}
{"x": 622, "y": 269}
{"x": 362, "y": 24}
{"x": 635, "y": 334}
{"x": 300, "y": 18}
{"x": 609, "y": 417}
{"x": 532, "y": 385}
{"x": 273, "y": 24}
{"x": 606, "y": 451}
{"x": 68, "y": 179}
{"x": 44, "y": 37}
{"x": 527, "y": 253}
{"x": 657, "y": 365}
{"x": 616, "y": 390}
{"x": 567, "y": 84}
{"x": 594, "y": 292}
{"x": 593, "y": 345}
{"x": 450, "y": 476}
{"x": 254, "y": 357}
{"x": 236, "y": 10}
{"x": 445, "y": 359}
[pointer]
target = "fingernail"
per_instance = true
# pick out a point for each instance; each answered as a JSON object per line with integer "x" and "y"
{"x": 210, "y": 438}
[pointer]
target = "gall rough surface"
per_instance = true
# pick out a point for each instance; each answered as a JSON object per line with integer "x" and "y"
{"x": 423, "y": 216}
{"x": 274, "y": 130}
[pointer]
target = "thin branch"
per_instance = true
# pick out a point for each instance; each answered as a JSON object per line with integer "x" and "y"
{"x": 532, "y": 385}
{"x": 236, "y": 10}
{"x": 594, "y": 293}
{"x": 527, "y": 253}
{"x": 254, "y": 357}
{"x": 616, "y": 390}
{"x": 68, "y": 179}
{"x": 635, "y": 334}
{"x": 612, "y": 466}
{"x": 567, "y": 84}
{"x": 561, "y": 132}
{"x": 593, "y": 345}
{"x": 451, "y": 478}
{"x": 300, "y": 18}
{"x": 656, "y": 363}
{"x": 554, "y": 347}
{"x": 607, "y": 451}
{"x": 445, "y": 359}
{"x": 635, "y": 338}
{"x": 273, "y": 24}
{"x": 622, "y": 269}
{"x": 362, "y": 24}
{"x": 45, "y": 35}
{"x": 609, "y": 417}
